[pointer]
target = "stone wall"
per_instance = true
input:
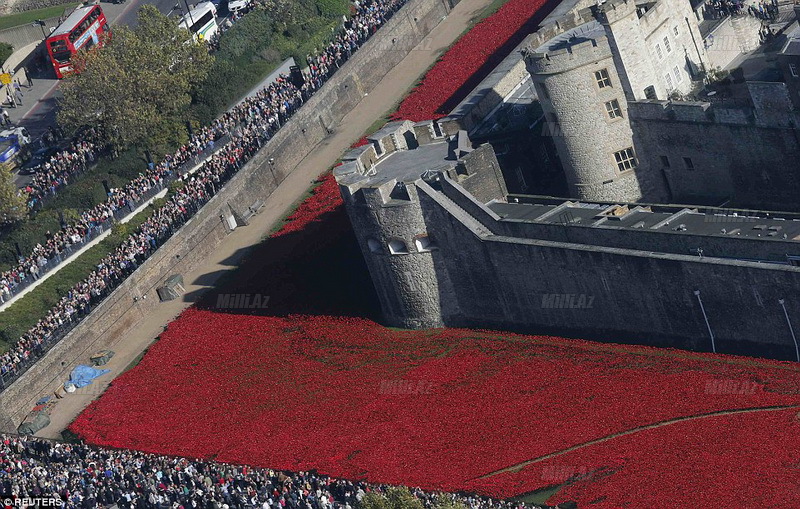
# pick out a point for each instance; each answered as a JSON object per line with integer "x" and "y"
{"x": 732, "y": 156}
{"x": 491, "y": 91}
{"x": 619, "y": 294}
{"x": 190, "y": 246}
{"x": 23, "y": 35}
{"x": 772, "y": 249}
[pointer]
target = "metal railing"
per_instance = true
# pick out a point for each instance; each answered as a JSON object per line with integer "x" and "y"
{"x": 38, "y": 350}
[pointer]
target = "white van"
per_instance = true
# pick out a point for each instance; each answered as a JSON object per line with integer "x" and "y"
{"x": 238, "y": 5}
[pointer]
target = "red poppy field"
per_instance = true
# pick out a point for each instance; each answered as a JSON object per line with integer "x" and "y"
{"x": 440, "y": 409}
{"x": 494, "y": 413}
{"x": 471, "y": 59}
{"x": 314, "y": 382}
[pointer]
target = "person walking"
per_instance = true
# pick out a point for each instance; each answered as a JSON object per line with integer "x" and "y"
{"x": 18, "y": 96}
{"x": 5, "y": 118}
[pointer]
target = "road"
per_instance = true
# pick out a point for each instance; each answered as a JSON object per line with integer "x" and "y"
{"x": 38, "y": 110}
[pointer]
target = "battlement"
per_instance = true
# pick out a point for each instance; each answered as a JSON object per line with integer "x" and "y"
{"x": 768, "y": 106}
{"x": 652, "y": 14}
{"x": 699, "y": 112}
{"x": 383, "y": 173}
{"x": 398, "y": 154}
{"x": 569, "y": 21}
{"x": 569, "y": 50}
{"x": 615, "y": 10}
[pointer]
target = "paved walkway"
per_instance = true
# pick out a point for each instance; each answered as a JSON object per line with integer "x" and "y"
{"x": 234, "y": 247}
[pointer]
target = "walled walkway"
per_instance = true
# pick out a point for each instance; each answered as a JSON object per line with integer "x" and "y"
{"x": 235, "y": 246}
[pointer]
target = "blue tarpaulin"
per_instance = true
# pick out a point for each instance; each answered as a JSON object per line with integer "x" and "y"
{"x": 83, "y": 375}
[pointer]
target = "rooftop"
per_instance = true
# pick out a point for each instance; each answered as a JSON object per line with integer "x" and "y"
{"x": 68, "y": 24}
{"x": 588, "y": 31}
{"x": 792, "y": 46}
{"x": 517, "y": 110}
{"x": 196, "y": 12}
{"x": 408, "y": 165}
{"x": 682, "y": 220}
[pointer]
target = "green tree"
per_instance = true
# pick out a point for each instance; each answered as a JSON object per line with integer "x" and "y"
{"x": 5, "y": 51}
{"x": 12, "y": 205}
{"x": 447, "y": 502}
{"x": 395, "y": 498}
{"x": 138, "y": 86}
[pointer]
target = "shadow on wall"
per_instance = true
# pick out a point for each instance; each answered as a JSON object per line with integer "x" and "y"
{"x": 498, "y": 56}
{"x": 318, "y": 270}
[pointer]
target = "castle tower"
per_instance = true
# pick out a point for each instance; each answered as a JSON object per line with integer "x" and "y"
{"x": 584, "y": 103}
{"x": 391, "y": 232}
{"x": 384, "y": 209}
{"x": 589, "y": 65}
{"x": 657, "y": 47}
{"x": 629, "y": 50}
{"x": 379, "y": 182}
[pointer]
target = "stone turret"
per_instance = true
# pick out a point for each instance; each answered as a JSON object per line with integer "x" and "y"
{"x": 579, "y": 89}
{"x": 378, "y": 183}
{"x": 620, "y": 18}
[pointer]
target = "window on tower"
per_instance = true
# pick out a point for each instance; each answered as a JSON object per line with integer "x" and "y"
{"x": 397, "y": 246}
{"x": 625, "y": 159}
{"x": 602, "y": 78}
{"x": 613, "y": 109}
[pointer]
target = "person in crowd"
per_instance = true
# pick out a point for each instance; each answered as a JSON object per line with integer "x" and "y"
{"x": 85, "y": 477}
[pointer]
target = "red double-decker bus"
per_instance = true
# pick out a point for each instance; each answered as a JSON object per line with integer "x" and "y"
{"x": 84, "y": 28}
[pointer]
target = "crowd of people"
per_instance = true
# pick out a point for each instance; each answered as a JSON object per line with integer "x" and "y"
{"x": 763, "y": 9}
{"x": 86, "y": 477}
{"x": 355, "y": 31}
{"x": 61, "y": 167}
{"x": 248, "y": 125}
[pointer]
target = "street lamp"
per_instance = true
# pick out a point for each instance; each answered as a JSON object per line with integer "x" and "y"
{"x": 188, "y": 10}
{"x": 708, "y": 325}
{"x": 271, "y": 162}
{"x": 782, "y": 302}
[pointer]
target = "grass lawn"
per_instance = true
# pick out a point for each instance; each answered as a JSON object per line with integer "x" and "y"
{"x": 24, "y": 18}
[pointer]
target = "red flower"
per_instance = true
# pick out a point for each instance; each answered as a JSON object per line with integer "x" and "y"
{"x": 440, "y": 409}
{"x": 471, "y": 59}
{"x": 622, "y": 426}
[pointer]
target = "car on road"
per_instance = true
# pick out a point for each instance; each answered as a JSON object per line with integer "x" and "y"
{"x": 238, "y": 5}
{"x": 37, "y": 160}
